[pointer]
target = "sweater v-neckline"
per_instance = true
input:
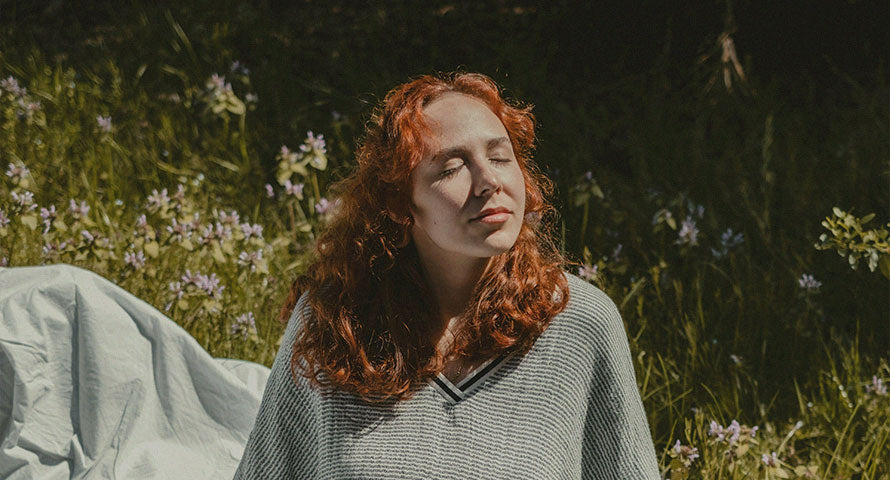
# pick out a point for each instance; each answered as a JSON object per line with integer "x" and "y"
{"x": 454, "y": 393}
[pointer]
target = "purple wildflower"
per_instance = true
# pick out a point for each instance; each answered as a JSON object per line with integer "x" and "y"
{"x": 218, "y": 85}
{"x": 180, "y": 231}
{"x": 687, "y": 454}
{"x": 716, "y": 430}
{"x": 4, "y": 262}
{"x": 770, "y": 460}
{"x": 324, "y": 207}
{"x": 214, "y": 232}
{"x": 89, "y": 237}
{"x": 688, "y": 233}
{"x": 188, "y": 277}
{"x": 176, "y": 287}
{"x": 313, "y": 143}
{"x": 287, "y": 155}
{"x": 11, "y": 85}
{"x": 158, "y": 200}
{"x": 231, "y": 218}
{"x": 249, "y": 230}
{"x": 24, "y": 199}
{"x": 270, "y": 192}
{"x": 179, "y": 196}
{"x": 78, "y": 211}
{"x": 698, "y": 210}
{"x": 735, "y": 430}
{"x": 209, "y": 284}
{"x": 808, "y": 283}
{"x": 588, "y": 272}
{"x": 251, "y": 98}
{"x": 48, "y": 215}
{"x": 104, "y": 123}
{"x": 877, "y": 386}
{"x": 53, "y": 247}
{"x": 728, "y": 240}
{"x": 4, "y": 220}
{"x": 251, "y": 259}
{"x": 17, "y": 172}
{"x": 135, "y": 260}
{"x": 244, "y": 324}
{"x": 239, "y": 68}
{"x": 293, "y": 189}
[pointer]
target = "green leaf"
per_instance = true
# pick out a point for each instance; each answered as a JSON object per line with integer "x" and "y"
{"x": 300, "y": 169}
{"x": 581, "y": 198}
{"x": 866, "y": 218}
{"x": 318, "y": 161}
{"x": 217, "y": 253}
{"x": 235, "y": 105}
{"x": 29, "y": 220}
{"x": 598, "y": 192}
{"x": 152, "y": 249}
{"x": 780, "y": 472}
{"x": 837, "y": 212}
{"x": 884, "y": 264}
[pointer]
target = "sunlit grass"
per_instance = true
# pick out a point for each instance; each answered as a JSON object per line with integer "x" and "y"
{"x": 745, "y": 368}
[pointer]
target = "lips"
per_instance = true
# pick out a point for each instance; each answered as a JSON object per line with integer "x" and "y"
{"x": 490, "y": 211}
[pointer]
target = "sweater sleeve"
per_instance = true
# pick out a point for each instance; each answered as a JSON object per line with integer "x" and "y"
{"x": 282, "y": 444}
{"x": 617, "y": 441}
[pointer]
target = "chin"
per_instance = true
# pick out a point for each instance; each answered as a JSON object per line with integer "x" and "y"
{"x": 500, "y": 245}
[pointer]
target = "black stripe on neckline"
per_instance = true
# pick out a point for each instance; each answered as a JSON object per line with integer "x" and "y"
{"x": 475, "y": 377}
{"x": 447, "y": 389}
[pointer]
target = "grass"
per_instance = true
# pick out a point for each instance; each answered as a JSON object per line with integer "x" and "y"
{"x": 756, "y": 324}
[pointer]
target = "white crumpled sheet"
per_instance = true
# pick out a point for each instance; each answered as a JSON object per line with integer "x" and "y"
{"x": 96, "y": 383}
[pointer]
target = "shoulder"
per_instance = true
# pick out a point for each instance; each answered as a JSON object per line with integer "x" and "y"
{"x": 296, "y": 319}
{"x": 590, "y": 316}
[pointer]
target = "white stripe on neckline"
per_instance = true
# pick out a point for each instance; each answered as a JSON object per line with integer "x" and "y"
{"x": 455, "y": 393}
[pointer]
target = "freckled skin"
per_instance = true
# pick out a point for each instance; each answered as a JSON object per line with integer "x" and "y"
{"x": 445, "y": 237}
{"x": 455, "y": 251}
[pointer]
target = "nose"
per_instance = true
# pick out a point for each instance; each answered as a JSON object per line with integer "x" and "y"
{"x": 487, "y": 181}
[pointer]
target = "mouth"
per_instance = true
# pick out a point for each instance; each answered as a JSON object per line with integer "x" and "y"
{"x": 492, "y": 212}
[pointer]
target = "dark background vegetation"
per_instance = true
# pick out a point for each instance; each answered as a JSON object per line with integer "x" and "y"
{"x": 632, "y": 91}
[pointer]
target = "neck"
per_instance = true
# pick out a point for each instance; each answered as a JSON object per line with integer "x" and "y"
{"x": 452, "y": 282}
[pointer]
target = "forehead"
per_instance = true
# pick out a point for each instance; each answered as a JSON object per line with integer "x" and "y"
{"x": 456, "y": 119}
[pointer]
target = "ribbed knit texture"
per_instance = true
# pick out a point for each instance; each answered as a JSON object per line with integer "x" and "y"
{"x": 568, "y": 409}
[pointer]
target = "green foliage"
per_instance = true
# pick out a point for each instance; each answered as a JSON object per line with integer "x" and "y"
{"x": 170, "y": 174}
{"x": 851, "y": 241}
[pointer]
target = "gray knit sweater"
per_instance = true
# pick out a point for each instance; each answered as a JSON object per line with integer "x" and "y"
{"x": 568, "y": 409}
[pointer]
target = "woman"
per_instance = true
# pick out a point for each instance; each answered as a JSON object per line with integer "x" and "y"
{"x": 437, "y": 335}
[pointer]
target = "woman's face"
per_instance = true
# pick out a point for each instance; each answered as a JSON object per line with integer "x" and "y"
{"x": 468, "y": 166}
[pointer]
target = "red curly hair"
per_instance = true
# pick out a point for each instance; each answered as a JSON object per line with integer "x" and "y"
{"x": 372, "y": 327}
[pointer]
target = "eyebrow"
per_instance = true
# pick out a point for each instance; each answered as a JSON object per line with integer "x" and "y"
{"x": 455, "y": 151}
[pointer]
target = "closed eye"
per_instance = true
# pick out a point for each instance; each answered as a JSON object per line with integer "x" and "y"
{"x": 452, "y": 171}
